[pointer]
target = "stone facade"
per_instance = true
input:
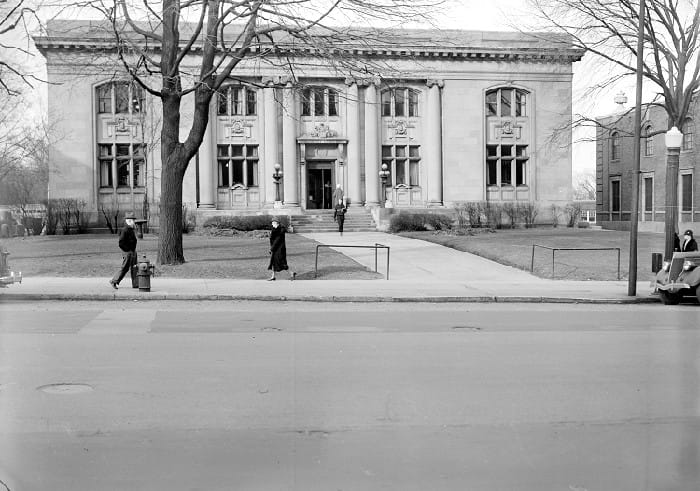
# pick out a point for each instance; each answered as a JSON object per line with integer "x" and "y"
{"x": 473, "y": 119}
{"x": 614, "y": 175}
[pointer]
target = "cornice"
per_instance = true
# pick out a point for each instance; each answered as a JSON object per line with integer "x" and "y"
{"x": 47, "y": 44}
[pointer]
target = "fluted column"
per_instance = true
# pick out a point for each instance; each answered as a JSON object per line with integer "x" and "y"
{"x": 371, "y": 145}
{"x": 433, "y": 153}
{"x": 290, "y": 164}
{"x": 207, "y": 181}
{"x": 271, "y": 142}
{"x": 354, "y": 188}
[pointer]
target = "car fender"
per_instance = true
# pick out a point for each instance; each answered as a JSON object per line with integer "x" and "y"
{"x": 691, "y": 278}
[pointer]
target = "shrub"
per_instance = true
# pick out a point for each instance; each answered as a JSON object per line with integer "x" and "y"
{"x": 243, "y": 223}
{"x": 475, "y": 209}
{"x": 555, "y": 214}
{"x": 512, "y": 212}
{"x": 34, "y": 224}
{"x": 494, "y": 214}
{"x": 462, "y": 213}
{"x": 584, "y": 225}
{"x": 189, "y": 220}
{"x": 573, "y": 213}
{"x": 419, "y": 222}
{"x": 51, "y": 216}
{"x": 438, "y": 221}
{"x": 529, "y": 212}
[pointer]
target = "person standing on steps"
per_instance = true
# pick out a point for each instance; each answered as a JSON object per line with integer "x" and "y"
{"x": 339, "y": 215}
{"x": 127, "y": 243}
{"x": 338, "y": 194}
{"x": 278, "y": 251}
{"x": 689, "y": 243}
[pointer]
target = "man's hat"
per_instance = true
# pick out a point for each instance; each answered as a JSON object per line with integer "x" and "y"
{"x": 129, "y": 214}
{"x": 275, "y": 219}
{"x": 688, "y": 232}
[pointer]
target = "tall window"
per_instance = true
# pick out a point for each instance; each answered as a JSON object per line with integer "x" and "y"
{"x": 120, "y": 98}
{"x": 237, "y": 164}
{"x": 125, "y": 160}
{"x": 615, "y": 150}
{"x": 237, "y": 101}
{"x": 506, "y": 102}
{"x": 400, "y": 102}
{"x": 121, "y": 160}
{"x": 403, "y": 162}
{"x": 648, "y": 141}
{"x": 686, "y": 192}
{"x": 506, "y": 165}
{"x": 648, "y": 194}
{"x": 319, "y": 101}
{"x": 688, "y": 134}
{"x": 615, "y": 203}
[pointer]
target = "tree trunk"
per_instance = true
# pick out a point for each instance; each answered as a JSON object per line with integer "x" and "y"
{"x": 173, "y": 165}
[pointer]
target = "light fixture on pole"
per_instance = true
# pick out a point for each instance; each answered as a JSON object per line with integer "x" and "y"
{"x": 674, "y": 140}
{"x": 383, "y": 175}
{"x": 277, "y": 175}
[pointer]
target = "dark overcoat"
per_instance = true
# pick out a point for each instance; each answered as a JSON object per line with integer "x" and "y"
{"x": 278, "y": 250}
{"x": 690, "y": 246}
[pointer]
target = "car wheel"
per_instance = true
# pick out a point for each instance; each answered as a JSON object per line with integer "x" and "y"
{"x": 697, "y": 292}
{"x": 669, "y": 298}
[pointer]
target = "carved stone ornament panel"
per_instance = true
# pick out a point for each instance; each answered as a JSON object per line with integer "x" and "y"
{"x": 122, "y": 126}
{"x": 237, "y": 128}
{"x": 322, "y": 130}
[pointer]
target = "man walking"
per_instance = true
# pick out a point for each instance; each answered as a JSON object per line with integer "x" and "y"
{"x": 127, "y": 243}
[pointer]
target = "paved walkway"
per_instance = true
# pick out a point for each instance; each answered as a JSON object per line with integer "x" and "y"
{"x": 419, "y": 271}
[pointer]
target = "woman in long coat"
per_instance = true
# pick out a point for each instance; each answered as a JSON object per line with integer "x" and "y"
{"x": 278, "y": 251}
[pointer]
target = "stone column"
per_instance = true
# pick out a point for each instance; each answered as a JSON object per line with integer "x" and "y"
{"x": 433, "y": 151}
{"x": 207, "y": 164}
{"x": 371, "y": 145}
{"x": 354, "y": 188}
{"x": 271, "y": 141}
{"x": 290, "y": 164}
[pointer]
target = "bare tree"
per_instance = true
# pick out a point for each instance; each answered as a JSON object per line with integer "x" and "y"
{"x": 585, "y": 186}
{"x": 608, "y": 29}
{"x": 15, "y": 16}
{"x": 157, "y": 41}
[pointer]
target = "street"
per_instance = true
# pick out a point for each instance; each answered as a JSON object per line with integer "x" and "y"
{"x": 321, "y": 396}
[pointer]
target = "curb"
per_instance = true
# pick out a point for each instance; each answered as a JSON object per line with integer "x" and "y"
{"x": 319, "y": 298}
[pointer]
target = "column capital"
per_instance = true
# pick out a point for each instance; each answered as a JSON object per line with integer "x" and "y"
{"x": 432, "y": 82}
{"x": 277, "y": 81}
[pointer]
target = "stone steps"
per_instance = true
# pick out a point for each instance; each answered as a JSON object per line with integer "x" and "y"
{"x": 322, "y": 221}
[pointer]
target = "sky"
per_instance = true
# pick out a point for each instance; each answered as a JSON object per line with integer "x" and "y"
{"x": 497, "y": 15}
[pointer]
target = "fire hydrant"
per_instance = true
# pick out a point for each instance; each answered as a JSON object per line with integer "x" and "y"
{"x": 144, "y": 273}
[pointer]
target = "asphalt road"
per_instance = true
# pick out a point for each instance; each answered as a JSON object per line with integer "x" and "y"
{"x": 293, "y": 396}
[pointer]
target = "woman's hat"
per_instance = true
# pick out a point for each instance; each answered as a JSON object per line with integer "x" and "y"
{"x": 688, "y": 232}
{"x": 275, "y": 219}
{"x": 129, "y": 214}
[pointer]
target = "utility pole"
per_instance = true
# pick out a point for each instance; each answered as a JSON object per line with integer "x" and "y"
{"x": 634, "y": 218}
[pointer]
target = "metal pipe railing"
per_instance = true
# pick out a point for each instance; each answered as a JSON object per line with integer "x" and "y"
{"x": 376, "y": 247}
{"x": 554, "y": 249}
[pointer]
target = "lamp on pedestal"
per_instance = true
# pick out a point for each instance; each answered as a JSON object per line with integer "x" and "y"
{"x": 277, "y": 175}
{"x": 674, "y": 140}
{"x": 383, "y": 175}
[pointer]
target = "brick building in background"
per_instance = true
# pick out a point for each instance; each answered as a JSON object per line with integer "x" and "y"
{"x": 614, "y": 178}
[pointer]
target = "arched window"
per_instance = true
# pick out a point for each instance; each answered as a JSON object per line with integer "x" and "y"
{"x": 319, "y": 101}
{"x": 506, "y": 102}
{"x": 400, "y": 103}
{"x": 615, "y": 149}
{"x": 237, "y": 101}
{"x": 688, "y": 134}
{"x": 648, "y": 140}
{"x": 121, "y": 153}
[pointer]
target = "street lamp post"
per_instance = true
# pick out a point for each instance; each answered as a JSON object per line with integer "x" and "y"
{"x": 277, "y": 175}
{"x": 674, "y": 139}
{"x": 383, "y": 175}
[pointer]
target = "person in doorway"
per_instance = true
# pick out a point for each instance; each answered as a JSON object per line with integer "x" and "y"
{"x": 127, "y": 243}
{"x": 338, "y": 194}
{"x": 689, "y": 243}
{"x": 339, "y": 215}
{"x": 278, "y": 251}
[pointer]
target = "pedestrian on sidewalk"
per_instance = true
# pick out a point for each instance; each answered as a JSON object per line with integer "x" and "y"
{"x": 689, "y": 243}
{"x": 339, "y": 215}
{"x": 278, "y": 251}
{"x": 127, "y": 243}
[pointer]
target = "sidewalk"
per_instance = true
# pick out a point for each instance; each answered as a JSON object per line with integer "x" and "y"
{"x": 419, "y": 272}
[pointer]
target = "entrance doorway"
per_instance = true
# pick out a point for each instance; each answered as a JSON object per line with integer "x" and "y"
{"x": 319, "y": 186}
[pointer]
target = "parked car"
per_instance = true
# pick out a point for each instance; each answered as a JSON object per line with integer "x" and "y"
{"x": 679, "y": 277}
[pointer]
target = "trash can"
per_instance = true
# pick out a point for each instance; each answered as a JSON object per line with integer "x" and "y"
{"x": 657, "y": 260}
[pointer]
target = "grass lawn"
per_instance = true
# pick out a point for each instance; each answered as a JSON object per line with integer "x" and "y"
{"x": 238, "y": 257}
{"x": 514, "y": 248}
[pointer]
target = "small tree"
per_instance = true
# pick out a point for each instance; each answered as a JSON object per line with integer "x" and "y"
{"x": 573, "y": 213}
{"x": 529, "y": 212}
{"x": 555, "y": 213}
{"x": 512, "y": 212}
